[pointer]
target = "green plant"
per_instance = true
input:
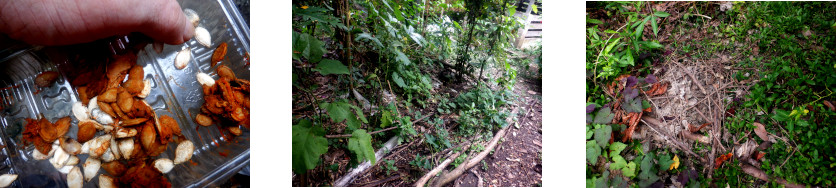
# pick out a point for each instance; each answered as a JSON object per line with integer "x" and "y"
{"x": 420, "y": 162}
{"x": 479, "y": 109}
{"x": 308, "y": 145}
{"x": 390, "y": 166}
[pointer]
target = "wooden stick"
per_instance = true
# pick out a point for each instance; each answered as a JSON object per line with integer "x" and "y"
{"x": 452, "y": 175}
{"x": 342, "y": 182}
{"x": 438, "y": 168}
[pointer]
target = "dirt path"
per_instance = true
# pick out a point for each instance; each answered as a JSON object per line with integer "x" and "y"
{"x": 517, "y": 161}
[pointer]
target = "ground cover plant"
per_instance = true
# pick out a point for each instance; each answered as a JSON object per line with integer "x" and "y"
{"x": 748, "y": 102}
{"x": 387, "y": 91}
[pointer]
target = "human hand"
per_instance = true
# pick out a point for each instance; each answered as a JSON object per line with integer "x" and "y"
{"x": 63, "y": 22}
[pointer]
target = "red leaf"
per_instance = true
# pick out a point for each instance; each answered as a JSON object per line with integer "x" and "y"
{"x": 759, "y": 155}
{"x": 719, "y": 161}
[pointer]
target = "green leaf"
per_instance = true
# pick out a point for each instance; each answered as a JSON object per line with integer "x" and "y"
{"x": 618, "y": 162}
{"x": 337, "y": 111}
{"x": 661, "y": 14}
{"x": 589, "y": 133}
{"x": 647, "y": 162}
{"x": 640, "y": 28}
{"x": 360, "y": 144}
{"x": 398, "y": 80}
{"x": 611, "y": 45}
{"x": 634, "y": 105}
{"x": 593, "y": 151}
{"x": 652, "y": 45}
{"x": 385, "y": 119}
{"x": 367, "y": 36}
{"x": 593, "y": 21}
{"x": 665, "y": 161}
{"x": 402, "y": 58}
{"x": 616, "y": 148}
{"x": 534, "y": 8}
{"x": 629, "y": 170}
{"x": 360, "y": 114}
{"x": 315, "y": 49}
{"x": 655, "y": 28}
{"x": 602, "y": 135}
{"x": 307, "y": 147}
{"x": 352, "y": 123}
{"x": 604, "y": 116}
{"x": 330, "y": 66}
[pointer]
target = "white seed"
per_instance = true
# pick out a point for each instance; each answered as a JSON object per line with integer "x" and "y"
{"x": 85, "y": 148}
{"x": 184, "y": 152}
{"x": 75, "y": 178}
{"x": 38, "y": 155}
{"x": 91, "y": 168}
{"x": 80, "y": 111}
{"x": 101, "y": 117}
{"x": 145, "y": 90}
{"x": 107, "y": 156}
{"x": 73, "y": 161}
{"x": 99, "y": 146}
{"x": 205, "y": 79}
{"x": 107, "y": 128}
{"x": 192, "y": 16}
{"x": 183, "y": 58}
{"x": 7, "y": 179}
{"x": 71, "y": 146}
{"x": 105, "y": 181}
{"x": 59, "y": 159}
{"x": 203, "y": 37}
{"x": 114, "y": 148}
{"x": 126, "y": 147}
{"x": 65, "y": 169}
{"x": 164, "y": 165}
{"x": 93, "y": 104}
{"x": 125, "y": 132}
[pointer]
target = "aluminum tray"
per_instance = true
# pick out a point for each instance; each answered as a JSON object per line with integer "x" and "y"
{"x": 174, "y": 92}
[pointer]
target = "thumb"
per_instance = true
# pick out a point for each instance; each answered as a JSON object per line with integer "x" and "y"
{"x": 169, "y": 24}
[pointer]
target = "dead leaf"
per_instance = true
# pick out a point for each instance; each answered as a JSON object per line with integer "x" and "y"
{"x": 515, "y": 160}
{"x": 675, "y": 163}
{"x": 830, "y": 105}
{"x": 695, "y": 128}
{"x": 759, "y": 155}
{"x": 719, "y": 161}
{"x": 761, "y": 131}
{"x": 531, "y": 92}
{"x": 633, "y": 120}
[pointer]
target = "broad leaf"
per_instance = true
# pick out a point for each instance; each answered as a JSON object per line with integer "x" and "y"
{"x": 402, "y": 58}
{"x": 360, "y": 144}
{"x": 592, "y": 152}
{"x": 604, "y": 116}
{"x": 367, "y": 36}
{"x": 616, "y": 148}
{"x": 655, "y": 28}
{"x": 352, "y": 122}
{"x": 385, "y": 119}
{"x": 665, "y": 161}
{"x": 602, "y": 135}
{"x": 307, "y": 147}
{"x": 337, "y": 111}
{"x": 398, "y": 80}
{"x": 629, "y": 170}
{"x": 634, "y": 105}
{"x": 330, "y": 66}
{"x": 618, "y": 162}
{"x": 640, "y": 29}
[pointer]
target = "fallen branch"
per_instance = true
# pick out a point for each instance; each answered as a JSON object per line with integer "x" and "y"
{"x": 758, "y": 173}
{"x": 695, "y": 137}
{"x": 452, "y": 175}
{"x": 438, "y": 168}
{"x": 378, "y": 131}
{"x": 342, "y": 182}
{"x": 522, "y": 122}
{"x": 479, "y": 182}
